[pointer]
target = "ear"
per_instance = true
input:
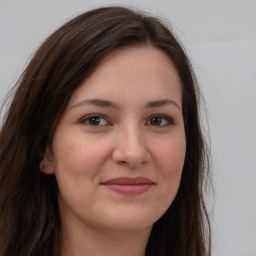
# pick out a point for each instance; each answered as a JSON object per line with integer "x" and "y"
{"x": 47, "y": 164}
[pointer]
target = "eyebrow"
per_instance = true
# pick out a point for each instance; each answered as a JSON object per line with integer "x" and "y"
{"x": 96, "y": 102}
{"x": 160, "y": 103}
{"x": 107, "y": 103}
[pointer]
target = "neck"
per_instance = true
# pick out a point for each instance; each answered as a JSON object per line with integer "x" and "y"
{"x": 80, "y": 240}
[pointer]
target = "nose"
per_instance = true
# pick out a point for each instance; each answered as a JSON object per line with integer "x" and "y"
{"x": 130, "y": 148}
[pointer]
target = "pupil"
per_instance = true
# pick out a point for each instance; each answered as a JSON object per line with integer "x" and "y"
{"x": 156, "y": 121}
{"x": 94, "y": 120}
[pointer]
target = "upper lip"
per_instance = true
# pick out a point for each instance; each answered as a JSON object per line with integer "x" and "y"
{"x": 128, "y": 181}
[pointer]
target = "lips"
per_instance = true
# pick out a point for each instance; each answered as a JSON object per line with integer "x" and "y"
{"x": 129, "y": 186}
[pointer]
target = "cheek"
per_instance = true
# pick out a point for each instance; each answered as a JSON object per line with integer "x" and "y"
{"x": 76, "y": 163}
{"x": 77, "y": 154}
{"x": 171, "y": 169}
{"x": 170, "y": 155}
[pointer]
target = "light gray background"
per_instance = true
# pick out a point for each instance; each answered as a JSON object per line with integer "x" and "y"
{"x": 220, "y": 38}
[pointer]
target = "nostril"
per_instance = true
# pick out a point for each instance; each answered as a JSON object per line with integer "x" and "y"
{"x": 131, "y": 158}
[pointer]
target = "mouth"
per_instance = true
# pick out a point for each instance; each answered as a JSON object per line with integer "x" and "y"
{"x": 129, "y": 186}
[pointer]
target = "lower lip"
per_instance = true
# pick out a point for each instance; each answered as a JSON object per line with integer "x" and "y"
{"x": 129, "y": 189}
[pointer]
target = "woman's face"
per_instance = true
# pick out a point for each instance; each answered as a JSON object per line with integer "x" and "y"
{"x": 118, "y": 151}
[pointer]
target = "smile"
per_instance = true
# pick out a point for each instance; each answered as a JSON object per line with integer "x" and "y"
{"x": 129, "y": 186}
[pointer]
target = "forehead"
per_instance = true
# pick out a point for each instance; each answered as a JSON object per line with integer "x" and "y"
{"x": 132, "y": 72}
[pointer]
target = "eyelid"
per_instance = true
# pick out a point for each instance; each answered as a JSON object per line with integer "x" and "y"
{"x": 169, "y": 119}
{"x": 85, "y": 118}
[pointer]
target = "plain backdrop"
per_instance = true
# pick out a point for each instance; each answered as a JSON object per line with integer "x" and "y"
{"x": 220, "y": 38}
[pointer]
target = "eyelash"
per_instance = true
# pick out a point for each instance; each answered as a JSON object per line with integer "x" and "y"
{"x": 169, "y": 121}
{"x": 85, "y": 120}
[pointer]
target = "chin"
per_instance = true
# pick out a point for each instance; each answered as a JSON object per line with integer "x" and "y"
{"x": 134, "y": 221}
{"x": 131, "y": 226}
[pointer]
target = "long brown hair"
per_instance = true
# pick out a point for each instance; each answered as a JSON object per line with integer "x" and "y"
{"x": 29, "y": 215}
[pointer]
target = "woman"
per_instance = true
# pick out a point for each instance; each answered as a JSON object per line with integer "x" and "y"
{"x": 101, "y": 149}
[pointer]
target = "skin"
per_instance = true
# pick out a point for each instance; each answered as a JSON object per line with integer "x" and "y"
{"x": 125, "y": 138}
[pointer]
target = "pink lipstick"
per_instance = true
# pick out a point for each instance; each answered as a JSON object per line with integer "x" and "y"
{"x": 129, "y": 186}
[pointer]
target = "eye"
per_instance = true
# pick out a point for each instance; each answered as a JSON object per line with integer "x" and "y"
{"x": 160, "y": 120}
{"x": 95, "y": 120}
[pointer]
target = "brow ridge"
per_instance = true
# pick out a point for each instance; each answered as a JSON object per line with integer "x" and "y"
{"x": 160, "y": 103}
{"x": 96, "y": 102}
{"x": 107, "y": 103}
